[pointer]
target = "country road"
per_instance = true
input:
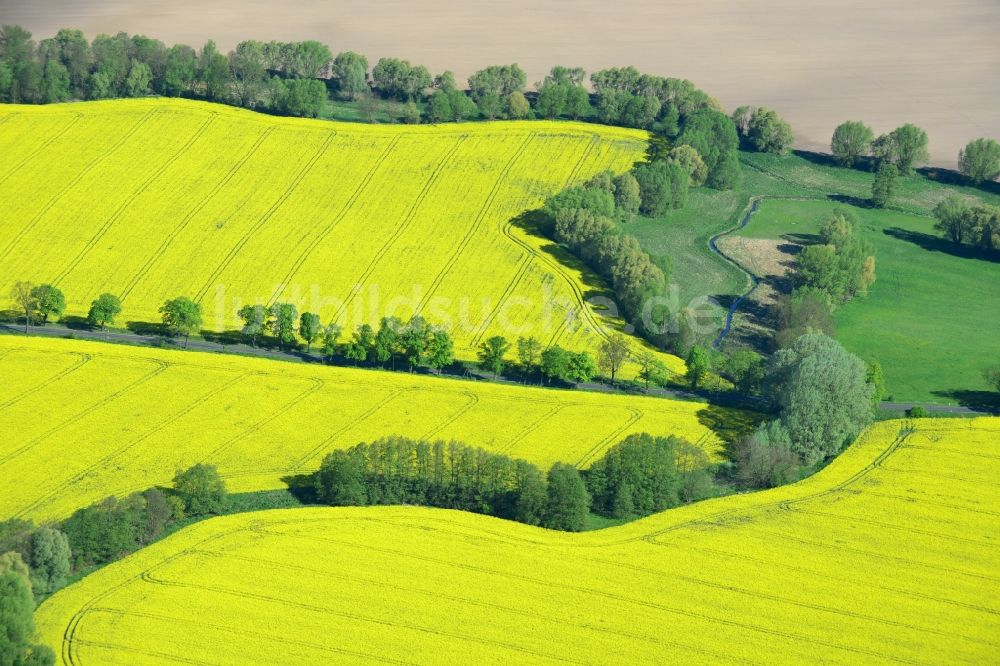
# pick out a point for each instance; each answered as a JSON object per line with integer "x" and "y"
{"x": 152, "y": 340}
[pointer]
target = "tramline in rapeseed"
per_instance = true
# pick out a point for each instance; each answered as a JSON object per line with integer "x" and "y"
{"x": 154, "y": 199}
{"x": 122, "y": 419}
{"x": 891, "y": 562}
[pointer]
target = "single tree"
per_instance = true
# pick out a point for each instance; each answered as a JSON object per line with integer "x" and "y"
{"x": 581, "y": 367}
{"x": 745, "y": 369}
{"x": 386, "y": 342}
{"x": 413, "y": 341}
{"x": 765, "y": 459}
{"x": 50, "y": 560}
{"x": 17, "y": 627}
{"x": 310, "y": 329}
{"x": 517, "y": 106}
{"x": 651, "y": 369}
{"x": 103, "y": 311}
{"x": 491, "y": 354}
{"x": 331, "y": 334}
{"x": 883, "y": 184}
{"x": 689, "y": 160}
{"x": 254, "y": 321}
{"x": 952, "y": 215}
{"x": 567, "y": 502}
{"x": 698, "y": 366}
{"x": 627, "y": 194}
{"x": 201, "y": 489}
{"x": 852, "y": 139}
{"x": 340, "y": 480}
{"x": 528, "y": 354}
{"x": 980, "y": 160}
{"x": 440, "y": 351}
{"x": 49, "y": 301}
{"x": 768, "y": 133}
{"x": 351, "y": 72}
{"x": 824, "y": 395}
{"x": 181, "y": 316}
{"x": 554, "y": 363}
{"x": 282, "y": 322}
{"x": 909, "y": 145}
{"x": 532, "y": 494}
{"x": 612, "y": 354}
{"x": 361, "y": 348}
{"x": 876, "y": 379}
{"x": 23, "y": 295}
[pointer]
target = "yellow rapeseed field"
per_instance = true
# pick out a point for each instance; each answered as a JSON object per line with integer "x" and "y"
{"x": 154, "y": 199}
{"x": 887, "y": 556}
{"x": 84, "y": 420}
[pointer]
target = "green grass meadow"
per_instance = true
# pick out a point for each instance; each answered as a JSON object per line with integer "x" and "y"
{"x": 933, "y": 317}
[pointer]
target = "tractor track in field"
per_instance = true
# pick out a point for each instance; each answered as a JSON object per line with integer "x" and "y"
{"x": 637, "y": 415}
{"x": 177, "y": 415}
{"x": 530, "y": 428}
{"x": 77, "y": 117}
{"x": 473, "y": 401}
{"x": 72, "y": 182}
{"x": 401, "y": 228}
{"x": 159, "y": 368}
{"x": 314, "y": 386}
{"x": 530, "y": 254}
{"x": 656, "y": 640}
{"x": 623, "y": 599}
{"x": 116, "y": 215}
{"x": 148, "y": 576}
{"x": 857, "y": 476}
{"x": 83, "y": 360}
{"x": 259, "y": 224}
{"x": 168, "y": 241}
{"x": 476, "y": 224}
{"x": 368, "y": 413}
{"x": 258, "y": 635}
{"x": 348, "y": 205}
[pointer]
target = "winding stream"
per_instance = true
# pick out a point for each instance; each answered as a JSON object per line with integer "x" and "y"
{"x": 754, "y": 280}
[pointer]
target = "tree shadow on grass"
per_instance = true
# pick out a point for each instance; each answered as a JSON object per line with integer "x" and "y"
{"x": 231, "y": 337}
{"x": 536, "y": 223}
{"x": 952, "y": 177}
{"x": 729, "y": 425}
{"x": 822, "y": 159}
{"x": 981, "y": 401}
{"x": 147, "y": 328}
{"x": 943, "y": 245}
{"x": 76, "y": 323}
{"x": 847, "y": 199}
{"x": 301, "y": 487}
{"x": 800, "y": 239}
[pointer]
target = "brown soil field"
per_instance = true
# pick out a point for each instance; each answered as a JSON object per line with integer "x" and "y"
{"x": 923, "y": 61}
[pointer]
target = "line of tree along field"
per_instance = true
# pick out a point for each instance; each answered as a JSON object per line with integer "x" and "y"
{"x": 299, "y": 78}
{"x": 36, "y": 561}
{"x": 640, "y": 475}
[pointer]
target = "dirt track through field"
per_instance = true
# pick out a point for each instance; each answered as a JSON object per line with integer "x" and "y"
{"x": 887, "y": 63}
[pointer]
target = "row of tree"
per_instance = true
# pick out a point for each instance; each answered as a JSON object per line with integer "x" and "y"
{"x": 416, "y": 342}
{"x": 36, "y": 561}
{"x": 906, "y": 148}
{"x": 397, "y": 470}
{"x": 641, "y": 475}
{"x": 584, "y": 219}
{"x": 296, "y": 77}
